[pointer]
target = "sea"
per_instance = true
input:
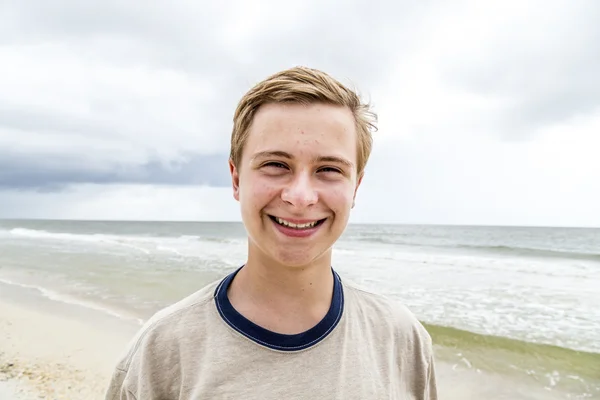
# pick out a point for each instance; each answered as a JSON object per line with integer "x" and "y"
{"x": 522, "y": 302}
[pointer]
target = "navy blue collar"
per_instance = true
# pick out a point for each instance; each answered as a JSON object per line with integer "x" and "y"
{"x": 275, "y": 340}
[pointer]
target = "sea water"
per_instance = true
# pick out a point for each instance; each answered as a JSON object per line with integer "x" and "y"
{"x": 514, "y": 300}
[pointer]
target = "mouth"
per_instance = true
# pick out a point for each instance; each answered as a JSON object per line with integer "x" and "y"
{"x": 305, "y": 225}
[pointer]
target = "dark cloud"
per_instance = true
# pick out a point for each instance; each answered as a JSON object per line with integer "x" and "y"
{"x": 55, "y": 173}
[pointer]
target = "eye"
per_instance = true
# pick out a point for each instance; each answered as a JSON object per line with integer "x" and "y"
{"x": 329, "y": 170}
{"x": 275, "y": 164}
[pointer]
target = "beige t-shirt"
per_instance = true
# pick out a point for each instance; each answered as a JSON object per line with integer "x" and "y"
{"x": 367, "y": 347}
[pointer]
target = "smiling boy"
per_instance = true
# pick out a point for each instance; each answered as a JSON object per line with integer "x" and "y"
{"x": 285, "y": 325}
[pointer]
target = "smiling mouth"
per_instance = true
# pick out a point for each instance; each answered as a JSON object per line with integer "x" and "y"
{"x": 287, "y": 224}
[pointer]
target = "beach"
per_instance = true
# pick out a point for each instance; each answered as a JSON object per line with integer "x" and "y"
{"x": 73, "y": 294}
{"x": 54, "y": 352}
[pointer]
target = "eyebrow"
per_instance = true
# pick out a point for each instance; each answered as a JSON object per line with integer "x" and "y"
{"x": 283, "y": 154}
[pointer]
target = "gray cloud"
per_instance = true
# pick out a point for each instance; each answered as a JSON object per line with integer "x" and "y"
{"x": 180, "y": 136}
{"x": 191, "y": 38}
{"x": 55, "y": 173}
{"x": 41, "y": 120}
{"x": 547, "y": 71}
{"x": 191, "y": 41}
{"x": 73, "y": 20}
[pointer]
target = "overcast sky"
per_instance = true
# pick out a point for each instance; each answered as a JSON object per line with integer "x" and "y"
{"x": 489, "y": 110}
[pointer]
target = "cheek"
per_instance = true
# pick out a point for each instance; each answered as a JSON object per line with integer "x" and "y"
{"x": 339, "y": 199}
{"x": 259, "y": 193}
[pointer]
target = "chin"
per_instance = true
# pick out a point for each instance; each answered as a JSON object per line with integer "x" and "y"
{"x": 299, "y": 258}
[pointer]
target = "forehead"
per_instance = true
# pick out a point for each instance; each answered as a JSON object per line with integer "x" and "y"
{"x": 298, "y": 127}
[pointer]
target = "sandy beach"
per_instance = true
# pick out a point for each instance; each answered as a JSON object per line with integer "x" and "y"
{"x": 55, "y": 353}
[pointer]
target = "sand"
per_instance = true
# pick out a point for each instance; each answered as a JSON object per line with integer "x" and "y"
{"x": 55, "y": 355}
{"x": 9, "y": 390}
{"x": 50, "y": 350}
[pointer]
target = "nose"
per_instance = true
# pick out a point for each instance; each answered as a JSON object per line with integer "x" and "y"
{"x": 300, "y": 192}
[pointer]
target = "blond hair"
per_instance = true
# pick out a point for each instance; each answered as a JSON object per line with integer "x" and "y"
{"x": 303, "y": 86}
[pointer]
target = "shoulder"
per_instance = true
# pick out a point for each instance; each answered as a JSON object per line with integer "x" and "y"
{"x": 169, "y": 326}
{"x": 150, "y": 366}
{"x": 397, "y": 333}
{"x": 388, "y": 315}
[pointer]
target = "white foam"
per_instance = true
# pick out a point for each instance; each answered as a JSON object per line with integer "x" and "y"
{"x": 124, "y": 241}
{"x": 183, "y": 245}
{"x": 541, "y": 301}
{"x": 168, "y": 249}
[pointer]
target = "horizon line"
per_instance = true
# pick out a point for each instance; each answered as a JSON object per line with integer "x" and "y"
{"x": 475, "y": 225}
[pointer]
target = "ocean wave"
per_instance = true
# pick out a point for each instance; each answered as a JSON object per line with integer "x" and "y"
{"x": 97, "y": 238}
{"x": 143, "y": 244}
{"x": 536, "y": 252}
{"x": 496, "y": 249}
{"x": 221, "y": 240}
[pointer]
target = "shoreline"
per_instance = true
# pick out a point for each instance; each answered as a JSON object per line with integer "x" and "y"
{"x": 54, "y": 350}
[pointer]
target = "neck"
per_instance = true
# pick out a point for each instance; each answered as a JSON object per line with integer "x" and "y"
{"x": 281, "y": 298}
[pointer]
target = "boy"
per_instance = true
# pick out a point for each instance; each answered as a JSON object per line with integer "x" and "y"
{"x": 285, "y": 325}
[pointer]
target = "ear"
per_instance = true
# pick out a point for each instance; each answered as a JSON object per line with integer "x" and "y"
{"x": 358, "y": 182}
{"x": 235, "y": 180}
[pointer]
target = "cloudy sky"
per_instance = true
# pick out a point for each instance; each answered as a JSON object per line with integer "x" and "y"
{"x": 489, "y": 111}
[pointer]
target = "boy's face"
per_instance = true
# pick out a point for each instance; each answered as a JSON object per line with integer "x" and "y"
{"x": 298, "y": 166}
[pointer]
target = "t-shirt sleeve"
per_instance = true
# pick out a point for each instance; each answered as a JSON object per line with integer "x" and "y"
{"x": 150, "y": 369}
{"x": 124, "y": 373}
{"x": 431, "y": 384}
{"x": 116, "y": 388}
{"x": 416, "y": 356}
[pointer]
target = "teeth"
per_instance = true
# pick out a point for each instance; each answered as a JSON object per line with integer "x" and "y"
{"x": 295, "y": 226}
